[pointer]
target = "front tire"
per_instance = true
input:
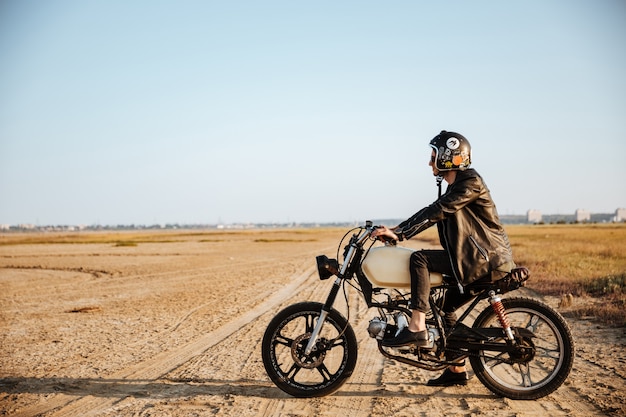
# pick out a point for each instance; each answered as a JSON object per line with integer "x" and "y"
{"x": 528, "y": 378}
{"x": 322, "y": 372}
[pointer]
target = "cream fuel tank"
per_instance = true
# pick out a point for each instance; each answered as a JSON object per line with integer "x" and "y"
{"x": 388, "y": 267}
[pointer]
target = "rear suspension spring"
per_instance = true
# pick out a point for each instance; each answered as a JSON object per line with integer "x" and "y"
{"x": 498, "y": 308}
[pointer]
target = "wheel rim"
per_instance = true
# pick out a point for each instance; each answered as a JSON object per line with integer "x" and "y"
{"x": 323, "y": 366}
{"x": 546, "y": 361}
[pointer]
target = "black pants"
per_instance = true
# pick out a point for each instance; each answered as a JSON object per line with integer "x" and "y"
{"x": 421, "y": 263}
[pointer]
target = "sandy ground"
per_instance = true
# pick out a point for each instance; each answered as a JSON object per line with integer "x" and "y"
{"x": 174, "y": 329}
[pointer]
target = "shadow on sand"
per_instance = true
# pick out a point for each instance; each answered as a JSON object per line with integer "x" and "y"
{"x": 170, "y": 388}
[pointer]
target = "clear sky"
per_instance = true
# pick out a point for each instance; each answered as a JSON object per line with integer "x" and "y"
{"x": 147, "y": 112}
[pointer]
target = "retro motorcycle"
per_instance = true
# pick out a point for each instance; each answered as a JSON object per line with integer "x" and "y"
{"x": 518, "y": 347}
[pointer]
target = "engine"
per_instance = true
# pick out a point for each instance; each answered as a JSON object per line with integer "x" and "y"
{"x": 376, "y": 328}
{"x": 380, "y": 328}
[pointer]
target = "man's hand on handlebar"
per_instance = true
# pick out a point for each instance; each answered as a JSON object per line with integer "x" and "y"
{"x": 384, "y": 233}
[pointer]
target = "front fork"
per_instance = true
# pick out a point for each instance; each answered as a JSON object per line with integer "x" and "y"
{"x": 328, "y": 305}
{"x": 320, "y": 322}
{"x": 355, "y": 244}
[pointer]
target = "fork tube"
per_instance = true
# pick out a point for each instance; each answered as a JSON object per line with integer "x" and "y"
{"x": 347, "y": 261}
{"x": 320, "y": 322}
{"x": 316, "y": 332}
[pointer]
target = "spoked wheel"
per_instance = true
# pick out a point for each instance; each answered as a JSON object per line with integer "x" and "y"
{"x": 328, "y": 366}
{"x": 543, "y": 363}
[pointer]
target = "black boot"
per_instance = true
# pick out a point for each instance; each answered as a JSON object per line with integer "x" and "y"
{"x": 407, "y": 337}
{"x": 449, "y": 378}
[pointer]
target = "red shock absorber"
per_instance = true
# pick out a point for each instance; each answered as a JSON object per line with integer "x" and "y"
{"x": 498, "y": 308}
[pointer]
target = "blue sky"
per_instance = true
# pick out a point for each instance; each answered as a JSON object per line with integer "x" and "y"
{"x": 143, "y": 112}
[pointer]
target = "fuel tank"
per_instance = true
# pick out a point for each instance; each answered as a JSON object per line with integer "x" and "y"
{"x": 388, "y": 267}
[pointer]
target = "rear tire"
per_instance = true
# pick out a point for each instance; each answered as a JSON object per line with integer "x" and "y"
{"x": 532, "y": 377}
{"x": 322, "y": 372}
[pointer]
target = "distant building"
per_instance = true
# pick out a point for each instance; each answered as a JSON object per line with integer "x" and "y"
{"x": 620, "y": 215}
{"x": 533, "y": 216}
{"x": 582, "y": 215}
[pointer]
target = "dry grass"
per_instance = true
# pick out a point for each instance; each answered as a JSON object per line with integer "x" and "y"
{"x": 587, "y": 261}
{"x": 133, "y": 238}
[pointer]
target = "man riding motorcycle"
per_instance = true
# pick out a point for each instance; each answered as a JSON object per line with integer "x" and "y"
{"x": 475, "y": 245}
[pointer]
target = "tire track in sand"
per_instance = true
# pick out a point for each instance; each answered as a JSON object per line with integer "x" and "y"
{"x": 234, "y": 378}
{"x": 150, "y": 370}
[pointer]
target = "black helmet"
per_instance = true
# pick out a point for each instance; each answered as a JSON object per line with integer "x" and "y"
{"x": 452, "y": 151}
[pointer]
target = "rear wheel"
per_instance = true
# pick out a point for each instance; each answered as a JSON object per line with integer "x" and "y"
{"x": 328, "y": 366}
{"x": 526, "y": 376}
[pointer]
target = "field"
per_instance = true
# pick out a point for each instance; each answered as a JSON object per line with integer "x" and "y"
{"x": 587, "y": 261}
{"x": 169, "y": 324}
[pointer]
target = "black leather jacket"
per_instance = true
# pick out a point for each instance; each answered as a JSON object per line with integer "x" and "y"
{"x": 469, "y": 229}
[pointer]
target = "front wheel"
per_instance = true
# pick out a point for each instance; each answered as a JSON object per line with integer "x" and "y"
{"x": 328, "y": 366}
{"x": 526, "y": 376}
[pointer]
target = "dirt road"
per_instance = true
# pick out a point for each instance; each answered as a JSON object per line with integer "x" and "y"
{"x": 173, "y": 327}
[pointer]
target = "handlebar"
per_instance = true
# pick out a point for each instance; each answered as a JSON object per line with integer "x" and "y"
{"x": 385, "y": 239}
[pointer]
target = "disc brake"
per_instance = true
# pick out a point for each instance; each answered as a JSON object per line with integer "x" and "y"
{"x": 315, "y": 359}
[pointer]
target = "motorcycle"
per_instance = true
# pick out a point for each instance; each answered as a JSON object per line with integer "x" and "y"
{"x": 518, "y": 347}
